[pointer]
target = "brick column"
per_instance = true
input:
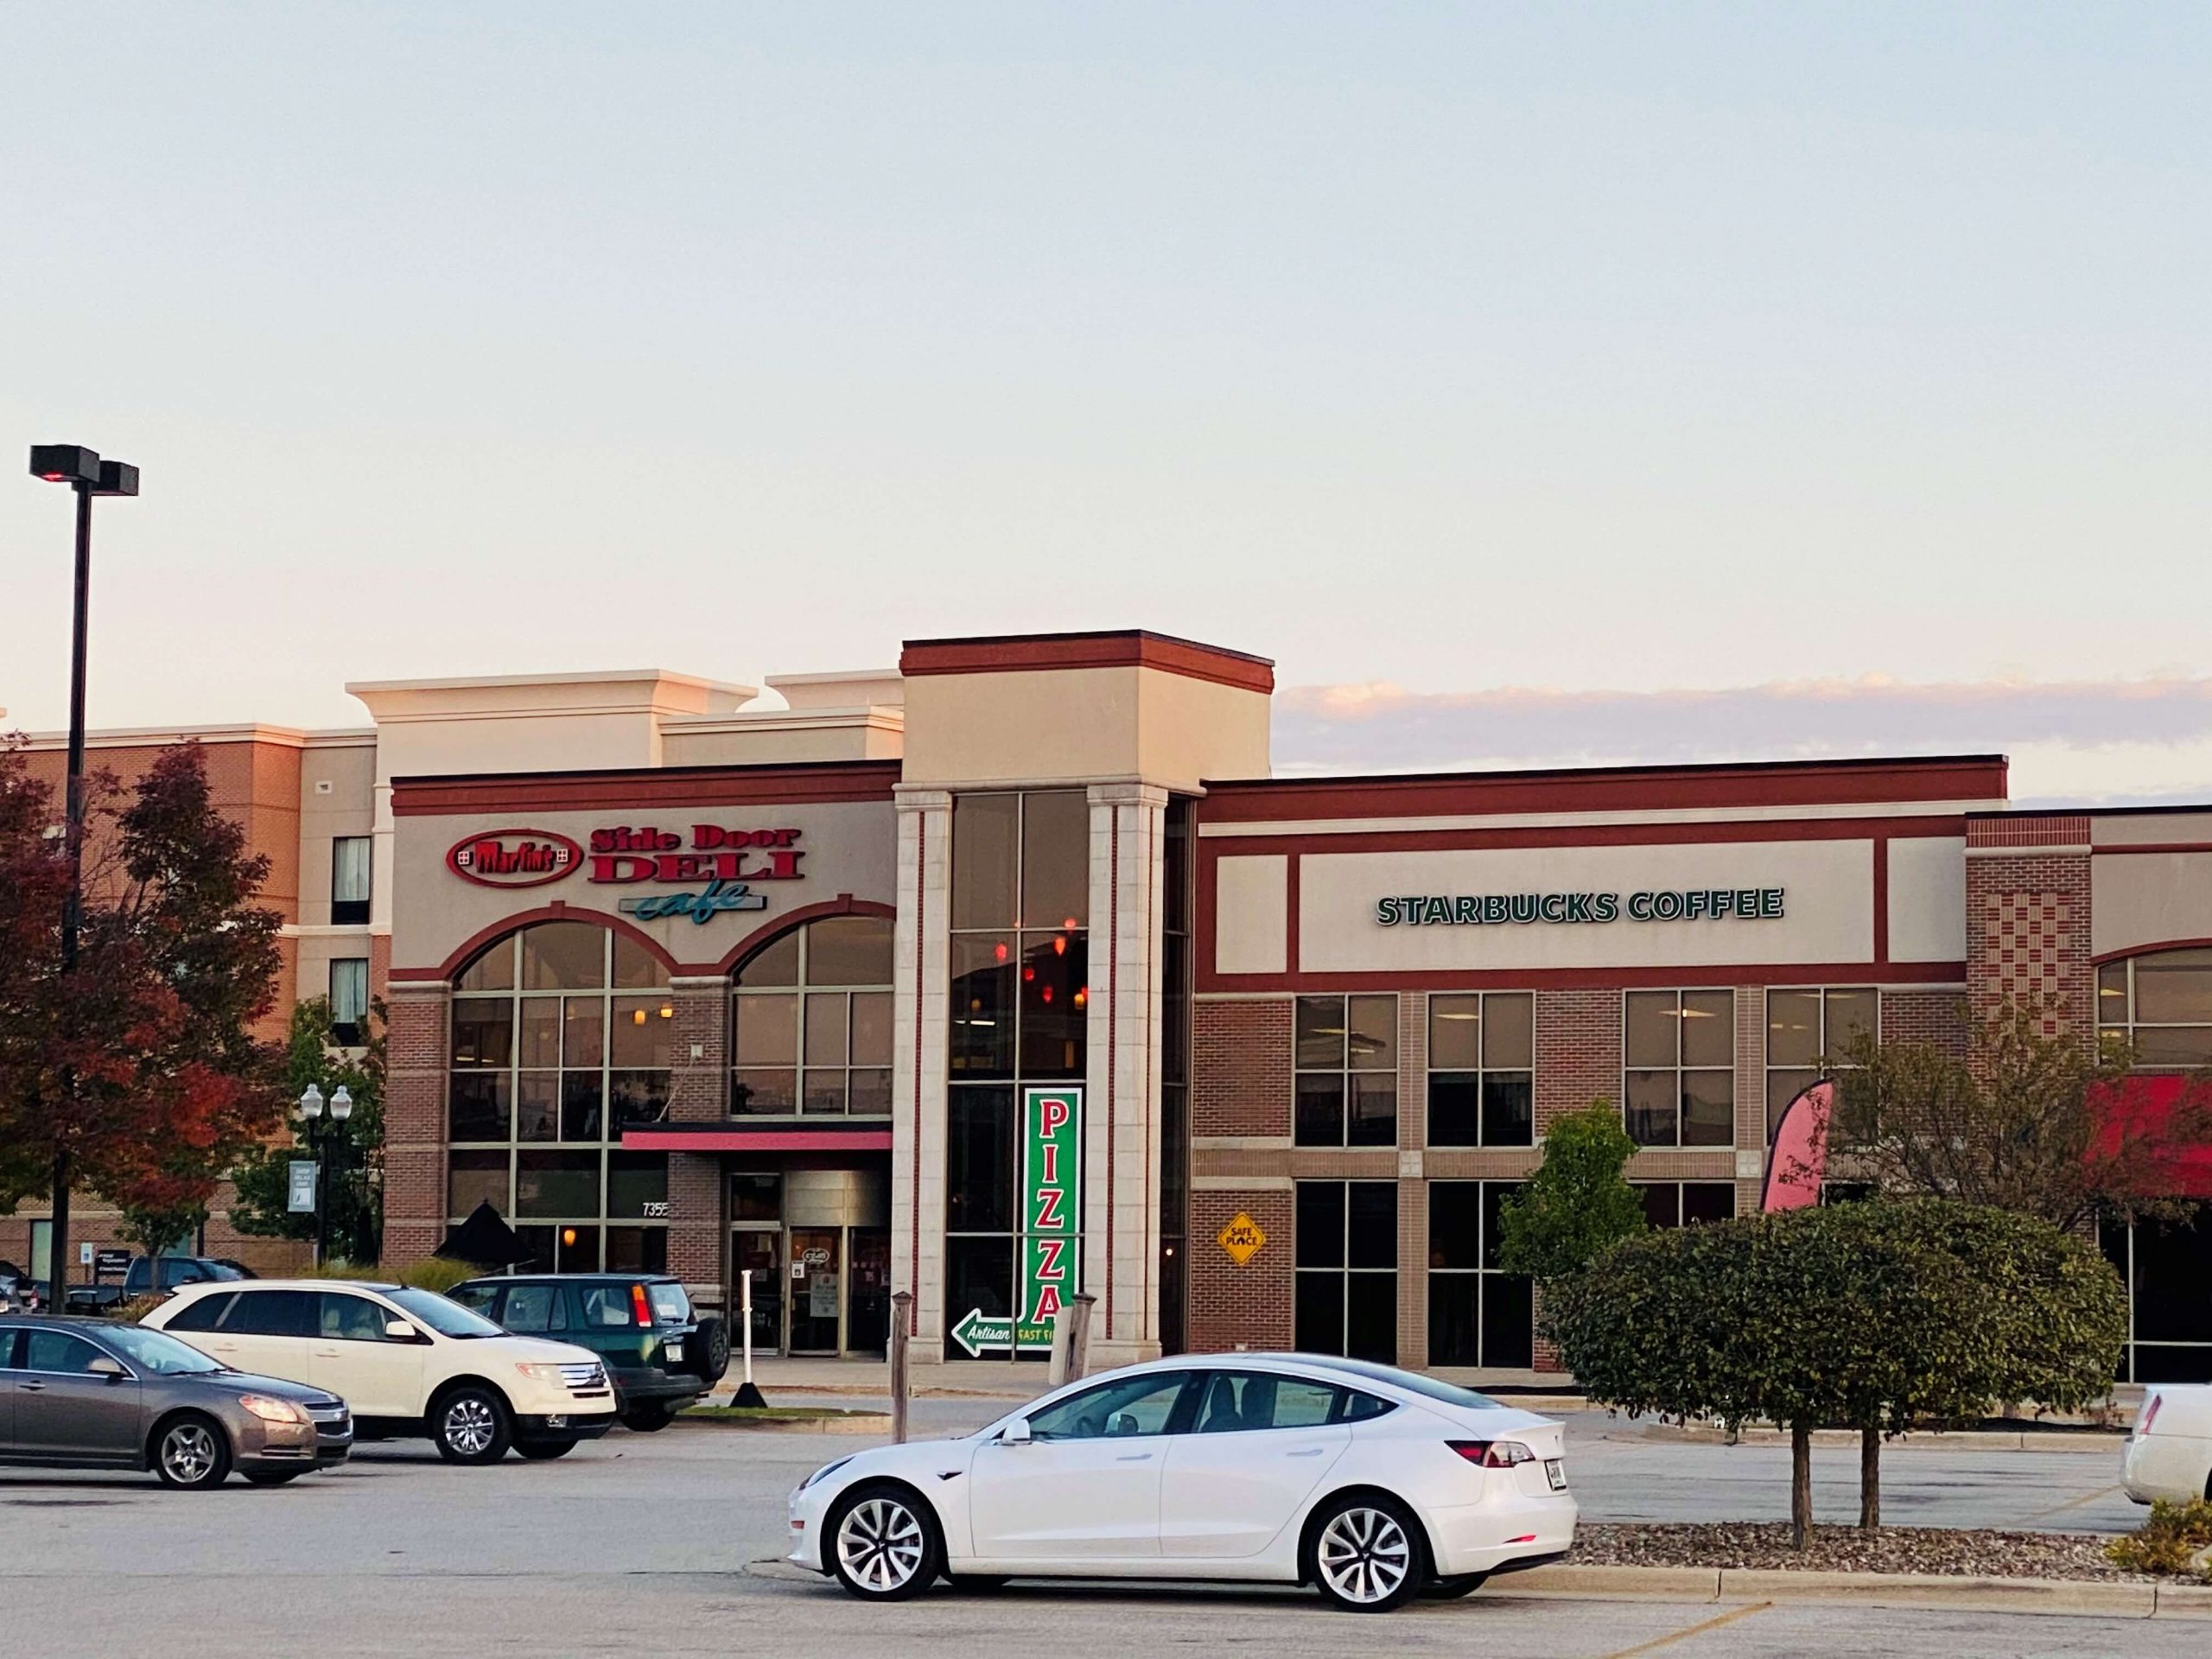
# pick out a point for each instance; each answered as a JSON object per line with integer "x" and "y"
{"x": 1240, "y": 1070}
{"x": 1248, "y": 1307}
{"x": 699, "y": 1093}
{"x": 415, "y": 1120}
{"x": 1578, "y": 1052}
{"x": 1413, "y": 1186}
{"x": 2028, "y": 919}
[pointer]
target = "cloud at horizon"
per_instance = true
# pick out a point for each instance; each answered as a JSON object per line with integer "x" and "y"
{"x": 2118, "y": 742}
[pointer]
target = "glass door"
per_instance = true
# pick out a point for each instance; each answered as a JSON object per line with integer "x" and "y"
{"x": 818, "y": 1285}
{"x": 869, "y": 1300}
{"x": 763, "y": 1252}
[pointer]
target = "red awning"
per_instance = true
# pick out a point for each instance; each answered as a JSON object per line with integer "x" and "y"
{"x": 2146, "y": 1101}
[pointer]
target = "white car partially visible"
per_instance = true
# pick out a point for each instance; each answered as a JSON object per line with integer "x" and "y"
{"x": 1373, "y": 1485}
{"x": 2168, "y": 1452}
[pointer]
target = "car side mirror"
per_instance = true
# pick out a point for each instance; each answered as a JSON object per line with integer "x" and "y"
{"x": 109, "y": 1368}
{"x": 398, "y": 1331}
{"x": 1016, "y": 1432}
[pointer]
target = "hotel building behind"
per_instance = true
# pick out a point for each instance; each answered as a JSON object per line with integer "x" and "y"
{"x": 1014, "y": 972}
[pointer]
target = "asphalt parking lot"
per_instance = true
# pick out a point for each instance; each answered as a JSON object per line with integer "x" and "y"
{"x": 666, "y": 1544}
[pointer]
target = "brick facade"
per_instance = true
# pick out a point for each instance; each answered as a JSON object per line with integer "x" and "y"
{"x": 1240, "y": 1067}
{"x": 699, "y": 1093}
{"x": 2028, "y": 919}
{"x": 1578, "y": 1052}
{"x": 415, "y": 1123}
{"x": 1248, "y": 1307}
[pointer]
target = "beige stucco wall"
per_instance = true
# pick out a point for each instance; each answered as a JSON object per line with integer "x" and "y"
{"x": 1829, "y": 905}
{"x": 1928, "y": 899}
{"x": 1251, "y": 914}
{"x": 347, "y": 808}
{"x": 849, "y": 848}
{"x": 783, "y": 739}
{"x": 2145, "y": 899}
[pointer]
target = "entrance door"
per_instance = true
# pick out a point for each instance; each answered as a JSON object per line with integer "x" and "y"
{"x": 868, "y": 1300}
{"x": 816, "y": 1289}
{"x": 763, "y": 1252}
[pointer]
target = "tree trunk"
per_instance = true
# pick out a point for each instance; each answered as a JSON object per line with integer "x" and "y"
{"x": 1801, "y": 1485}
{"x": 1869, "y": 1478}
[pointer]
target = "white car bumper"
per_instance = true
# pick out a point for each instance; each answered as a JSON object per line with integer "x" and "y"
{"x": 1507, "y": 1527}
{"x": 808, "y": 1507}
{"x": 2176, "y": 1467}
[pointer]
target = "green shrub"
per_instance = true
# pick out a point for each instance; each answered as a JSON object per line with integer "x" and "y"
{"x": 337, "y": 1267}
{"x": 135, "y": 1309}
{"x": 2166, "y": 1542}
{"x": 436, "y": 1273}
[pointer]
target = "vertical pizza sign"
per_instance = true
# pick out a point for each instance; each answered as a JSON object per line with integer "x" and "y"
{"x": 1052, "y": 1202}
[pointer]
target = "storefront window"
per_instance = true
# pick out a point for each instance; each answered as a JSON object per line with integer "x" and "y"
{"x": 1347, "y": 1080}
{"x": 1476, "y": 1315}
{"x": 1679, "y": 1085}
{"x": 1685, "y": 1203}
{"x": 562, "y": 1037}
{"x": 1347, "y": 1269}
{"x": 810, "y": 1020}
{"x": 2167, "y": 1268}
{"x": 1482, "y": 1056}
{"x": 1808, "y": 1034}
{"x": 1020, "y": 1011}
{"x": 2162, "y": 1004}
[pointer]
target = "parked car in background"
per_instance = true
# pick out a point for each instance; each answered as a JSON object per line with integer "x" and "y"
{"x": 85, "y": 1394}
{"x": 2169, "y": 1452}
{"x": 1373, "y": 1484}
{"x": 155, "y": 1278}
{"x": 661, "y": 1355}
{"x": 11, "y": 1278}
{"x": 409, "y": 1362}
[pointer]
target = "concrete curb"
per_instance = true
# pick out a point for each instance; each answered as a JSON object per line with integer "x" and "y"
{"x": 1971, "y": 1440}
{"x": 2072, "y": 1596}
{"x": 871, "y": 1423}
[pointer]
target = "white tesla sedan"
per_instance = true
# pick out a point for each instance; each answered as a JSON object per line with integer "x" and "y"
{"x": 1372, "y": 1483}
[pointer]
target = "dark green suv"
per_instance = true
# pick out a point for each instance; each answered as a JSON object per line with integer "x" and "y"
{"x": 660, "y": 1355}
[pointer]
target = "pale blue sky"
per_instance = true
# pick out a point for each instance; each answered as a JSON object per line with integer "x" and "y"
{"x": 1460, "y": 347}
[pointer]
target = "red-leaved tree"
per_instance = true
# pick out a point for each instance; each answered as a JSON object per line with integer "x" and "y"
{"x": 140, "y": 1073}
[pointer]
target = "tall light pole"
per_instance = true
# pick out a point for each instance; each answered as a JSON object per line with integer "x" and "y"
{"x": 84, "y": 471}
{"x": 326, "y": 1147}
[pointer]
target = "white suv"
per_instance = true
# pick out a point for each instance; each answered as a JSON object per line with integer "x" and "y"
{"x": 408, "y": 1362}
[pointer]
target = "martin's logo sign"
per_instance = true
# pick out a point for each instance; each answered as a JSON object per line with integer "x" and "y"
{"x": 726, "y": 861}
{"x": 513, "y": 858}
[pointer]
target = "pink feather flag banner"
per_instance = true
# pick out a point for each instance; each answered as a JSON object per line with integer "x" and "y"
{"x": 1799, "y": 1156}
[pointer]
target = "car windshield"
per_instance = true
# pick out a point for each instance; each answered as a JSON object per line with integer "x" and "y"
{"x": 1413, "y": 1382}
{"x": 670, "y": 1305}
{"x": 150, "y": 1351}
{"x": 443, "y": 1314}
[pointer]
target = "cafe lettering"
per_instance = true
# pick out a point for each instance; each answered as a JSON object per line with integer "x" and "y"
{"x": 1503, "y": 909}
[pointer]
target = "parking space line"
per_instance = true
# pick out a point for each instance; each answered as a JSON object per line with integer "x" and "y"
{"x": 1699, "y": 1629}
{"x": 2075, "y": 1503}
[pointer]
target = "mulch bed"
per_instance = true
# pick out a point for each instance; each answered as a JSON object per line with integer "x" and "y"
{"x": 1846, "y": 1549}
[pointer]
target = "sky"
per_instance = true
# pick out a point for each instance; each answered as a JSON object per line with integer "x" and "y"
{"x": 1535, "y": 384}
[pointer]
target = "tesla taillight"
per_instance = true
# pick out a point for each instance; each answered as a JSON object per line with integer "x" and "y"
{"x": 1492, "y": 1454}
{"x": 2150, "y": 1413}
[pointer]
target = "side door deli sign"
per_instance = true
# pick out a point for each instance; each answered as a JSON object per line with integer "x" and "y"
{"x": 1496, "y": 909}
{"x": 728, "y": 861}
{"x": 1051, "y": 1227}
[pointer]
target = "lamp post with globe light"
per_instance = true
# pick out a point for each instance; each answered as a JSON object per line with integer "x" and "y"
{"x": 327, "y": 1144}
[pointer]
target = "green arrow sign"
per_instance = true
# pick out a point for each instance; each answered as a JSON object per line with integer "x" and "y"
{"x": 978, "y": 1332}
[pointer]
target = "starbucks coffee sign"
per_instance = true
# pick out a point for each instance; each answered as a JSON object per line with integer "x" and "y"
{"x": 1509, "y": 909}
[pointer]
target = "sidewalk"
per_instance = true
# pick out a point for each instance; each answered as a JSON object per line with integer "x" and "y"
{"x": 983, "y": 1379}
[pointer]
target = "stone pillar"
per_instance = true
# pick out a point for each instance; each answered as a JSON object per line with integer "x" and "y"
{"x": 699, "y": 1093}
{"x": 919, "y": 1032}
{"x": 415, "y": 1120}
{"x": 1120, "y": 1257}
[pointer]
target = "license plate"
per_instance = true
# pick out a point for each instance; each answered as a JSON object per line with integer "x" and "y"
{"x": 673, "y": 1349}
{"x": 1555, "y": 1473}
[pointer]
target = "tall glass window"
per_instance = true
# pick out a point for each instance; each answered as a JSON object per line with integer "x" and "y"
{"x": 1482, "y": 1059}
{"x": 1347, "y": 1256}
{"x": 349, "y": 1000}
{"x": 561, "y": 1038}
{"x": 1685, "y": 1203}
{"x": 1174, "y": 1074}
{"x": 1020, "y": 991}
{"x": 1346, "y": 1081}
{"x": 1680, "y": 1081}
{"x": 1476, "y": 1315}
{"x": 1807, "y": 1033}
{"x": 811, "y": 1022}
{"x": 2162, "y": 1003}
{"x": 349, "y": 880}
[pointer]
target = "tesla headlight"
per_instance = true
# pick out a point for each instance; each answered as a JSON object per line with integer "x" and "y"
{"x": 826, "y": 1469}
{"x": 272, "y": 1410}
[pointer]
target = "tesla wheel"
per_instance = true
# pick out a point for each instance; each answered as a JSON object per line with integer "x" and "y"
{"x": 1454, "y": 1586}
{"x": 470, "y": 1425}
{"x": 191, "y": 1454}
{"x": 882, "y": 1543}
{"x": 1364, "y": 1554}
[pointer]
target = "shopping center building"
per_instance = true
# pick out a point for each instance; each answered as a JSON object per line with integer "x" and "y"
{"x": 1012, "y": 973}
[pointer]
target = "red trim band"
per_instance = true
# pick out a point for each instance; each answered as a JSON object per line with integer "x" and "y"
{"x": 1125, "y": 648}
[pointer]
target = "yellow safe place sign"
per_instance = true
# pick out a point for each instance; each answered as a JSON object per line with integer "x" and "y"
{"x": 1242, "y": 1238}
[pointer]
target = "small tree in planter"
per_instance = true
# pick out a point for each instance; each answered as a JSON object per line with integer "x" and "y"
{"x": 1870, "y": 1317}
{"x": 1576, "y": 1206}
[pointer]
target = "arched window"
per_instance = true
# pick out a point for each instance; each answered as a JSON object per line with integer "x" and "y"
{"x": 2162, "y": 1002}
{"x": 563, "y": 1036}
{"x": 811, "y": 1022}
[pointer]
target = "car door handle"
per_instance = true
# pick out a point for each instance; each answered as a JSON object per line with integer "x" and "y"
{"x": 1135, "y": 1456}
{"x": 32, "y": 1388}
{"x": 1310, "y": 1451}
{"x": 327, "y": 1351}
